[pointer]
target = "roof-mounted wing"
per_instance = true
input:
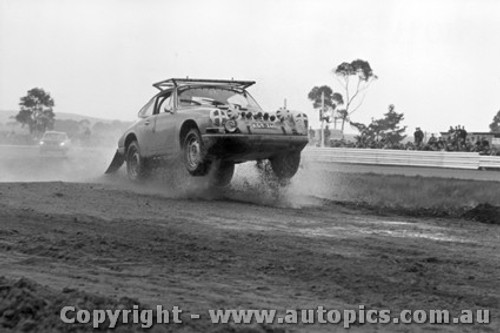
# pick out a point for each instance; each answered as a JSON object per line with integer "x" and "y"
{"x": 172, "y": 83}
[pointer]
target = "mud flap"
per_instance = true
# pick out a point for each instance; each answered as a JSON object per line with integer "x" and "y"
{"x": 116, "y": 163}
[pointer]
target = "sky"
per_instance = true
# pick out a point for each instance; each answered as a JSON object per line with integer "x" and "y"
{"x": 437, "y": 61}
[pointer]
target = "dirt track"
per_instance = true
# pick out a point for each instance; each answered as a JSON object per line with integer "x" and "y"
{"x": 244, "y": 248}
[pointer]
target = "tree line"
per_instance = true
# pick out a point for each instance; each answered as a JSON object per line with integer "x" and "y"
{"x": 354, "y": 78}
{"x": 37, "y": 114}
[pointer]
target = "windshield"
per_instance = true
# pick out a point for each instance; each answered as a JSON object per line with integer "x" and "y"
{"x": 54, "y": 136}
{"x": 216, "y": 96}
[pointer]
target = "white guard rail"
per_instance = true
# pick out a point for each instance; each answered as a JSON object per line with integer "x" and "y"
{"x": 489, "y": 162}
{"x": 436, "y": 159}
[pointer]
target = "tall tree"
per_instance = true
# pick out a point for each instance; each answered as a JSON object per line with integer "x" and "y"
{"x": 495, "y": 124}
{"x": 331, "y": 99}
{"x": 36, "y": 111}
{"x": 354, "y": 77}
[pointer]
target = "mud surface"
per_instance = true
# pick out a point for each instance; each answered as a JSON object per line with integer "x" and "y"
{"x": 69, "y": 236}
{"x": 110, "y": 243}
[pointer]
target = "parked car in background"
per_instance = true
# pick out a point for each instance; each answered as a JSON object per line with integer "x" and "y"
{"x": 54, "y": 142}
{"x": 211, "y": 125}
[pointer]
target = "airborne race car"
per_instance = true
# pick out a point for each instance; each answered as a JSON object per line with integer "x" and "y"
{"x": 211, "y": 125}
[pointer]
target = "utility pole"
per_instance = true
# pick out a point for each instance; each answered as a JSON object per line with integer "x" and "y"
{"x": 322, "y": 118}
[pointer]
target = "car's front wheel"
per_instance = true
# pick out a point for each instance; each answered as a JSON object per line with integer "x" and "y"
{"x": 136, "y": 163}
{"x": 285, "y": 166}
{"x": 194, "y": 153}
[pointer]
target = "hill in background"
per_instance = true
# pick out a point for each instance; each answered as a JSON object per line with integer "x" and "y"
{"x": 7, "y": 116}
{"x": 95, "y": 132}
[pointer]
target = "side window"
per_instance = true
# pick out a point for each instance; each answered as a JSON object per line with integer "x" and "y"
{"x": 166, "y": 104}
{"x": 148, "y": 109}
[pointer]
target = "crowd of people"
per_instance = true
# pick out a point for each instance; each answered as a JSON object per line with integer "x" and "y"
{"x": 456, "y": 139}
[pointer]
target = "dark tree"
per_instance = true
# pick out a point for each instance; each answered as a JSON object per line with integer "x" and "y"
{"x": 36, "y": 111}
{"x": 390, "y": 129}
{"x": 331, "y": 99}
{"x": 386, "y": 130}
{"x": 355, "y": 78}
{"x": 495, "y": 125}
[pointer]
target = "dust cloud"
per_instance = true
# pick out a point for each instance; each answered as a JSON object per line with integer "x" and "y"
{"x": 310, "y": 187}
{"x": 26, "y": 164}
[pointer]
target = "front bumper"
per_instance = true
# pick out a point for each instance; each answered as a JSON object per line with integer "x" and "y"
{"x": 243, "y": 147}
{"x": 53, "y": 148}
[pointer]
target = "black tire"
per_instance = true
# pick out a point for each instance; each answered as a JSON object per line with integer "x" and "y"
{"x": 285, "y": 166}
{"x": 137, "y": 169}
{"x": 223, "y": 174}
{"x": 193, "y": 153}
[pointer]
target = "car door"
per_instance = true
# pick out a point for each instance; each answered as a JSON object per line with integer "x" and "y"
{"x": 165, "y": 125}
{"x": 145, "y": 128}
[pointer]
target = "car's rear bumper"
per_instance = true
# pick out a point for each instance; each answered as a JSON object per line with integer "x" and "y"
{"x": 243, "y": 147}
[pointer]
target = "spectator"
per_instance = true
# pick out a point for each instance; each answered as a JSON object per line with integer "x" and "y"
{"x": 441, "y": 144}
{"x": 418, "y": 137}
{"x": 456, "y": 140}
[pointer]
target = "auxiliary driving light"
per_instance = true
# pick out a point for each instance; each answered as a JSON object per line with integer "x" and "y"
{"x": 283, "y": 114}
{"x": 232, "y": 114}
{"x": 231, "y": 125}
{"x": 218, "y": 117}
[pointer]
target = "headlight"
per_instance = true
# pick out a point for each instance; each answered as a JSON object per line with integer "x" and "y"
{"x": 283, "y": 114}
{"x": 301, "y": 121}
{"x": 300, "y": 117}
{"x": 41, "y": 142}
{"x": 231, "y": 125}
{"x": 61, "y": 144}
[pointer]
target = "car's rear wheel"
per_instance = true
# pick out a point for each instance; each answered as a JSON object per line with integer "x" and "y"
{"x": 136, "y": 164}
{"x": 223, "y": 174}
{"x": 285, "y": 166}
{"x": 194, "y": 153}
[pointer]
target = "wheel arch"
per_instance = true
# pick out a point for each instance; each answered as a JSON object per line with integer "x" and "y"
{"x": 129, "y": 139}
{"x": 185, "y": 128}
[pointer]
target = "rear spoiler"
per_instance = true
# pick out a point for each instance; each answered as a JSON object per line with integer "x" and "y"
{"x": 172, "y": 83}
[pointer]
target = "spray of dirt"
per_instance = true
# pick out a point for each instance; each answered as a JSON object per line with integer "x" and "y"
{"x": 27, "y": 164}
{"x": 310, "y": 187}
